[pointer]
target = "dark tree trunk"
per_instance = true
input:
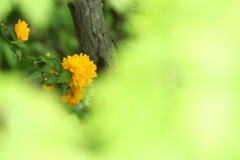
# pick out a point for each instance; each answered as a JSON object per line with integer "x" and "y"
{"x": 92, "y": 32}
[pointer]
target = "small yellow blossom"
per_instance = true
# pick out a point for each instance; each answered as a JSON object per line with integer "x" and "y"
{"x": 73, "y": 96}
{"x": 54, "y": 72}
{"x": 22, "y": 31}
{"x": 48, "y": 54}
{"x": 83, "y": 70}
{"x": 49, "y": 88}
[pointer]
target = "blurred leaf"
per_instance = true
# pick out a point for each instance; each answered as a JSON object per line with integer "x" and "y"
{"x": 44, "y": 59}
{"x": 31, "y": 71}
{"x": 50, "y": 60}
{"x": 46, "y": 68}
{"x": 13, "y": 47}
{"x": 47, "y": 60}
{"x": 21, "y": 45}
{"x": 7, "y": 54}
{"x": 65, "y": 77}
{"x": 17, "y": 55}
{"x": 15, "y": 58}
{"x": 51, "y": 80}
{"x": 64, "y": 87}
{"x": 35, "y": 77}
{"x": 31, "y": 58}
{"x": 57, "y": 64}
{"x": 19, "y": 52}
{"x": 13, "y": 35}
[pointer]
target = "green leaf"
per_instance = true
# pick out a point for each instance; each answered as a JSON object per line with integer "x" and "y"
{"x": 21, "y": 44}
{"x": 43, "y": 59}
{"x": 65, "y": 77}
{"x": 47, "y": 60}
{"x": 17, "y": 55}
{"x": 50, "y": 60}
{"x": 57, "y": 66}
{"x": 19, "y": 52}
{"x": 64, "y": 87}
{"x": 31, "y": 58}
{"x": 15, "y": 58}
{"x": 46, "y": 68}
{"x": 57, "y": 63}
{"x": 12, "y": 34}
{"x": 31, "y": 71}
{"x": 51, "y": 80}
{"x": 13, "y": 47}
{"x": 35, "y": 77}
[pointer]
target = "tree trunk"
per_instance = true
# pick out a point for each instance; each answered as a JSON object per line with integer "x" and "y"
{"x": 92, "y": 32}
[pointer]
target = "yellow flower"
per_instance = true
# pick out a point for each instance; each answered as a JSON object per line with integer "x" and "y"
{"x": 48, "y": 54}
{"x": 83, "y": 70}
{"x": 73, "y": 96}
{"x": 54, "y": 72}
{"x": 49, "y": 88}
{"x": 22, "y": 31}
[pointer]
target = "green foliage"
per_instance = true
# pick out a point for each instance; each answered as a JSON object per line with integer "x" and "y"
{"x": 51, "y": 80}
{"x": 35, "y": 76}
{"x": 46, "y": 68}
{"x": 21, "y": 45}
{"x": 65, "y": 77}
{"x": 13, "y": 47}
{"x": 57, "y": 64}
{"x": 13, "y": 35}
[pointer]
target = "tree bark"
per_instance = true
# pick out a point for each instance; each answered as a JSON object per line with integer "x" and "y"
{"x": 92, "y": 32}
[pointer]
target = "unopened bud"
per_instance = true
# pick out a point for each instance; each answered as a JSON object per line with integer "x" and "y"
{"x": 55, "y": 73}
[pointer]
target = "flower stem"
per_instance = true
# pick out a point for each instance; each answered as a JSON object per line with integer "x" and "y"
{"x": 2, "y": 28}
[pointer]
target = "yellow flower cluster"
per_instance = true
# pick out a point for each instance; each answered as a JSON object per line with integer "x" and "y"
{"x": 73, "y": 96}
{"x": 22, "y": 31}
{"x": 83, "y": 71}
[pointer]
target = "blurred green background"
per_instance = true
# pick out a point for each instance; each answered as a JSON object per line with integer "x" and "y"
{"x": 172, "y": 95}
